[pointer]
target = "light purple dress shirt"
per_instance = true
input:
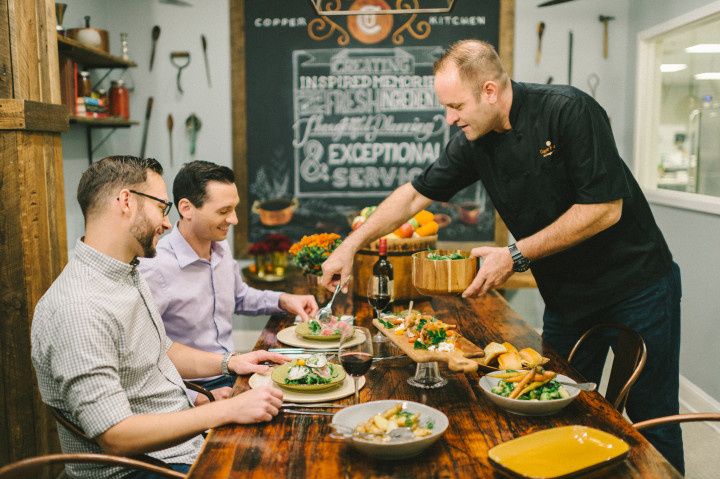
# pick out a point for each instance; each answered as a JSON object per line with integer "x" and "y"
{"x": 197, "y": 297}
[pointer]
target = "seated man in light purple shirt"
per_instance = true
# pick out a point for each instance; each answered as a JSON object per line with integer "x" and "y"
{"x": 194, "y": 278}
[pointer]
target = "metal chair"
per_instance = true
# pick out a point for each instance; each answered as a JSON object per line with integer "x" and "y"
{"x": 630, "y": 356}
{"x": 677, "y": 418}
{"x": 31, "y": 467}
{"x": 199, "y": 389}
{"x": 77, "y": 431}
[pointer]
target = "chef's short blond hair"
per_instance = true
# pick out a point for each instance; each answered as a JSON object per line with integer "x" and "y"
{"x": 476, "y": 61}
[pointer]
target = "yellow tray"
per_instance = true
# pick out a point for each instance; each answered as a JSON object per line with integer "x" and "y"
{"x": 559, "y": 453}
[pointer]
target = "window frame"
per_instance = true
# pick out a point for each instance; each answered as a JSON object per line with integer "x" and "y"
{"x": 647, "y": 115}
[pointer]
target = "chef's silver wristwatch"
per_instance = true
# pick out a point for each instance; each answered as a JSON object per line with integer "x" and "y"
{"x": 520, "y": 262}
{"x": 225, "y": 361}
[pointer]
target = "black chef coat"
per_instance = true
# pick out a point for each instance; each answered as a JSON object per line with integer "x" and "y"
{"x": 559, "y": 152}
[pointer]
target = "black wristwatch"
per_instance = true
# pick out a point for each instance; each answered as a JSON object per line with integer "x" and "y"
{"x": 520, "y": 262}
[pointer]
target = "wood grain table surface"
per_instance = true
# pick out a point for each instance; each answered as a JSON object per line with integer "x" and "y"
{"x": 294, "y": 446}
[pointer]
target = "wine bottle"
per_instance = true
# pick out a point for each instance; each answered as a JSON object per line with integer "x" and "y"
{"x": 381, "y": 295}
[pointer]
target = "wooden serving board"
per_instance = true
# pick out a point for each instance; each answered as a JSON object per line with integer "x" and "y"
{"x": 457, "y": 360}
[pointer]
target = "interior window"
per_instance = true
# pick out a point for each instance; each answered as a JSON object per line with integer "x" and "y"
{"x": 687, "y": 134}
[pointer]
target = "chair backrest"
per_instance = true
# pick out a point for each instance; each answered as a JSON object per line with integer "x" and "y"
{"x": 67, "y": 424}
{"x": 74, "y": 429}
{"x": 678, "y": 418}
{"x": 199, "y": 389}
{"x": 32, "y": 466}
{"x": 630, "y": 356}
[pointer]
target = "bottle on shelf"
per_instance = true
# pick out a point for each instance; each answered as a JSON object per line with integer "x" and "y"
{"x": 119, "y": 100}
{"x": 124, "y": 46}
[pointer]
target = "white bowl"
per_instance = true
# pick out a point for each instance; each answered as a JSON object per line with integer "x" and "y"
{"x": 524, "y": 407}
{"x": 352, "y": 416}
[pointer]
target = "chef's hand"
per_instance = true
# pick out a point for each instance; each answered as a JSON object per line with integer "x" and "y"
{"x": 304, "y": 306}
{"x": 495, "y": 270}
{"x": 249, "y": 363}
{"x": 338, "y": 267}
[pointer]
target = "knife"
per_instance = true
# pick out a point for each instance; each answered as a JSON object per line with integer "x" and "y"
{"x": 319, "y": 404}
{"x": 308, "y": 413}
{"x": 301, "y": 350}
{"x": 148, "y": 112}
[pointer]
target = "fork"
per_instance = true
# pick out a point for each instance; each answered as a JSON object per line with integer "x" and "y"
{"x": 326, "y": 310}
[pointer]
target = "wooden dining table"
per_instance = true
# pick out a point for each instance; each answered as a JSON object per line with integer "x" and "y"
{"x": 297, "y": 446}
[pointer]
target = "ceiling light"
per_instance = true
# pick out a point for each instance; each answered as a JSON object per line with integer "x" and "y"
{"x": 708, "y": 76}
{"x": 704, "y": 48}
{"x": 672, "y": 67}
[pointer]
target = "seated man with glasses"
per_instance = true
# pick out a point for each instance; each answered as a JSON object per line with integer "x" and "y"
{"x": 99, "y": 347}
{"x": 195, "y": 280}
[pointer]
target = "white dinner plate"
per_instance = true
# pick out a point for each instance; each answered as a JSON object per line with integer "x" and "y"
{"x": 288, "y": 336}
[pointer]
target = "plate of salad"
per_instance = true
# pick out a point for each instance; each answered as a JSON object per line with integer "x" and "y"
{"x": 539, "y": 395}
{"x": 330, "y": 330}
{"x": 314, "y": 373}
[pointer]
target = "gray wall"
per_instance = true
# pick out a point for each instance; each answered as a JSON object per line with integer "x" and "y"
{"x": 180, "y": 30}
{"x": 692, "y": 236}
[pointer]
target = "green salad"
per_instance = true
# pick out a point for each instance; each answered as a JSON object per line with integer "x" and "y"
{"x": 548, "y": 391}
{"x": 435, "y": 256}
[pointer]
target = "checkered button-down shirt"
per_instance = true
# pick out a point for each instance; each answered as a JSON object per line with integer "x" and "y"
{"x": 100, "y": 354}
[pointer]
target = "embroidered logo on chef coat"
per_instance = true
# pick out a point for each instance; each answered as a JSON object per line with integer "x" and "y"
{"x": 548, "y": 150}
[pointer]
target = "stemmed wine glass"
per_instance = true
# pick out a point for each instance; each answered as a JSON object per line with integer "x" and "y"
{"x": 379, "y": 295}
{"x": 355, "y": 355}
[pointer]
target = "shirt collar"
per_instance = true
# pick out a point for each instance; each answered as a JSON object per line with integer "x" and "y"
{"x": 519, "y": 95}
{"x": 185, "y": 254}
{"x": 518, "y": 100}
{"x": 114, "y": 269}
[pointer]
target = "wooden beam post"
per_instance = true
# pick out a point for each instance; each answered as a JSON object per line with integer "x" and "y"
{"x": 33, "y": 242}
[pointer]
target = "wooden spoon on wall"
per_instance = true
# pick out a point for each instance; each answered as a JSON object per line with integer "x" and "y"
{"x": 170, "y": 124}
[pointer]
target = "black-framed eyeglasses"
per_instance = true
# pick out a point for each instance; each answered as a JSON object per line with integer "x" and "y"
{"x": 168, "y": 204}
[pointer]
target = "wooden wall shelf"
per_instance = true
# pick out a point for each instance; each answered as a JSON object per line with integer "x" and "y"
{"x": 111, "y": 122}
{"x": 90, "y": 57}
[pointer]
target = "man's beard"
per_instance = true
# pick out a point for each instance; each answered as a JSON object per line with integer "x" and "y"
{"x": 144, "y": 233}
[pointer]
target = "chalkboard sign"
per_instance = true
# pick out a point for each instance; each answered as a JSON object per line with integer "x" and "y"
{"x": 340, "y": 111}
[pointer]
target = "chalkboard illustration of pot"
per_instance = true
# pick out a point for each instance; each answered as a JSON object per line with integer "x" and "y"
{"x": 275, "y": 212}
{"x": 469, "y": 212}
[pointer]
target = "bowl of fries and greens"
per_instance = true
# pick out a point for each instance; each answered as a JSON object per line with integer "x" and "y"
{"x": 370, "y": 427}
{"x": 533, "y": 392}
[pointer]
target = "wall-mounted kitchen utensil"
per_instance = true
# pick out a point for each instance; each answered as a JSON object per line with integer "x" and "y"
{"x": 148, "y": 112}
{"x": 170, "y": 124}
{"x": 177, "y": 3}
{"x": 604, "y": 19}
{"x": 593, "y": 81}
{"x": 553, "y": 2}
{"x": 91, "y": 37}
{"x": 155, "y": 36}
{"x": 538, "y": 52}
{"x": 192, "y": 127}
{"x": 205, "y": 55}
{"x": 570, "y": 56}
{"x": 59, "y": 14}
{"x": 180, "y": 60}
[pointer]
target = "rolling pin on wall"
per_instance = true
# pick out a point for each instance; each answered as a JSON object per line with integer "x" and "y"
{"x": 605, "y": 19}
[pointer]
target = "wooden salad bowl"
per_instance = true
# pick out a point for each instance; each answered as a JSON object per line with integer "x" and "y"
{"x": 442, "y": 277}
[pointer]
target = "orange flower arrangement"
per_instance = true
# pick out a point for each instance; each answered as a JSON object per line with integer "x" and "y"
{"x": 312, "y": 251}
